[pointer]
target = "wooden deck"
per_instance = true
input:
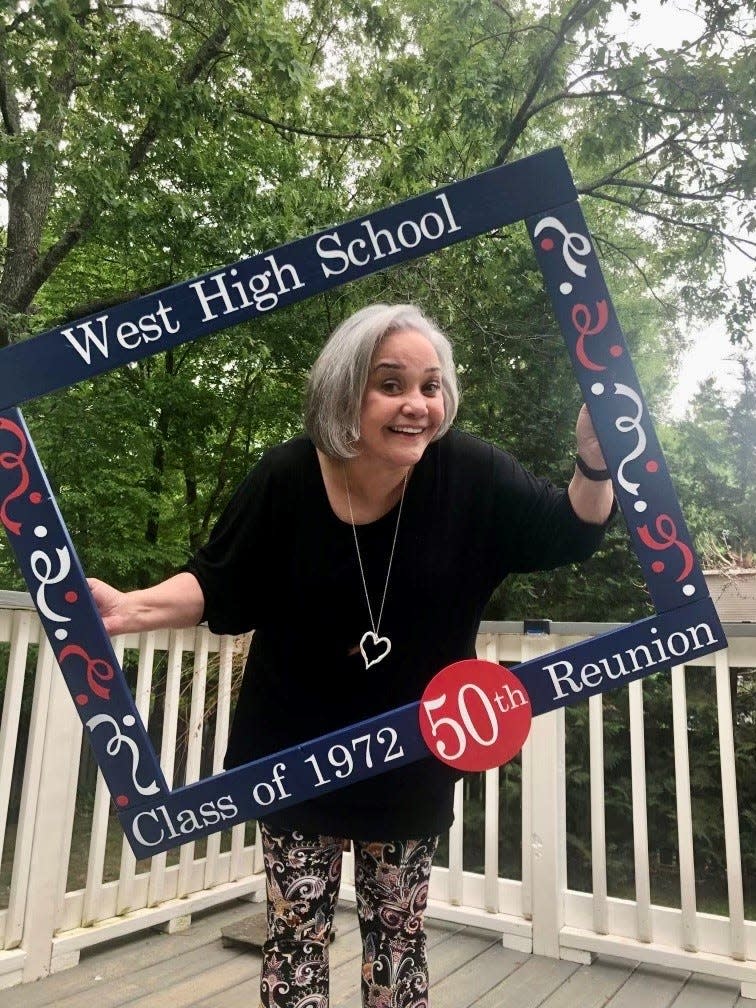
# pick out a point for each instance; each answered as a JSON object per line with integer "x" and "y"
{"x": 469, "y": 969}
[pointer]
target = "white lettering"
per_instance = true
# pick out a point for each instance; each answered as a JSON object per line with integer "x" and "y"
{"x": 594, "y": 675}
{"x": 126, "y": 330}
{"x": 271, "y": 794}
{"x": 168, "y": 823}
{"x": 353, "y": 255}
{"x": 278, "y": 272}
{"x": 631, "y": 652}
{"x": 278, "y": 771}
{"x": 416, "y": 231}
{"x": 137, "y": 830}
{"x": 693, "y": 631}
{"x": 162, "y": 310}
{"x": 453, "y": 226}
{"x": 227, "y": 807}
{"x": 205, "y": 299}
{"x": 608, "y": 669}
{"x": 374, "y": 237}
{"x": 685, "y": 645}
{"x": 557, "y": 679}
{"x": 90, "y": 336}
{"x": 589, "y": 673}
{"x": 424, "y": 227}
{"x": 332, "y": 254}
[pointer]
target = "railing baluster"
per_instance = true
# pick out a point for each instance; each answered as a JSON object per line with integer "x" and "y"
{"x": 92, "y": 908}
{"x": 155, "y": 891}
{"x": 491, "y": 869}
{"x": 456, "y": 847}
{"x": 14, "y": 692}
{"x": 222, "y": 719}
{"x": 598, "y": 814}
{"x": 644, "y": 930}
{"x": 491, "y": 816}
{"x": 22, "y": 857}
{"x": 689, "y": 924}
{"x": 142, "y": 695}
{"x": 546, "y": 844}
{"x": 194, "y": 746}
{"x": 730, "y": 808}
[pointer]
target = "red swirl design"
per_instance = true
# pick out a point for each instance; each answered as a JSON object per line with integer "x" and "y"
{"x": 13, "y": 460}
{"x": 667, "y": 532}
{"x": 581, "y": 319}
{"x": 93, "y": 669}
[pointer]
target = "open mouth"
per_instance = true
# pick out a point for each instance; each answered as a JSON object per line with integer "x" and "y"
{"x": 407, "y": 431}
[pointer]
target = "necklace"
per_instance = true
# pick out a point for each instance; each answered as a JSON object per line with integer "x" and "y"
{"x": 382, "y": 643}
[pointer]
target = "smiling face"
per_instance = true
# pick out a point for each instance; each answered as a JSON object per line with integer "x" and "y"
{"x": 403, "y": 406}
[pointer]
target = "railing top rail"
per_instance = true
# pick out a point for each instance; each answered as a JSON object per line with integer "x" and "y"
{"x": 589, "y": 629}
{"x": 516, "y": 628}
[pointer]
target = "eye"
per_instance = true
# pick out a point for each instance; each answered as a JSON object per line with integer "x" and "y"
{"x": 432, "y": 388}
{"x": 390, "y": 385}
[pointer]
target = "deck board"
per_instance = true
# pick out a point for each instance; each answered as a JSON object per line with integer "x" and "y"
{"x": 469, "y": 969}
{"x": 651, "y": 986}
{"x": 529, "y": 985}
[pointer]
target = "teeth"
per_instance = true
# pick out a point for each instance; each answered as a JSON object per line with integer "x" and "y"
{"x": 408, "y": 430}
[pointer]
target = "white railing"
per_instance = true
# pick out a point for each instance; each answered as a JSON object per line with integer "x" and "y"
{"x": 68, "y": 879}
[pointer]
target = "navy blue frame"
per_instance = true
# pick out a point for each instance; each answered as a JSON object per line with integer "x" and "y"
{"x": 538, "y": 189}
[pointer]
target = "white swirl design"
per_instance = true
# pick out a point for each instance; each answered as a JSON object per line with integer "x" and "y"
{"x": 114, "y": 745}
{"x": 625, "y": 424}
{"x": 573, "y": 242}
{"x": 42, "y": 567}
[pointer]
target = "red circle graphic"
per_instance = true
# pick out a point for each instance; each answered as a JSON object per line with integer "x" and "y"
{"x": 475, "y": 715}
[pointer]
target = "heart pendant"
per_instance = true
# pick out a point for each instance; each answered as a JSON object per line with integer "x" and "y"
{"x": 382, "y": 643}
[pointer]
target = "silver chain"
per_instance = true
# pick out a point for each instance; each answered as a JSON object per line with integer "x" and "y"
{"x": 376, "y": 628}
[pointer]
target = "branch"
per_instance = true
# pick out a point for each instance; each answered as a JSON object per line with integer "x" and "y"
{"x": 73, "y": 234}
{"x": 321, "y": 134}
{"x": 8, "y": 101}
{"x": 579, "y": 9}
{"x": 204, "y": 56}
{"x": 643, "y": 156}
{"x": 637, "y": 266}
{"x": 746, "y": 246}
{"x": 666, "y": 191}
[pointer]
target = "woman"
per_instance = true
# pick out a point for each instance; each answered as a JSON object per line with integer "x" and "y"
{"x": 362, "y": 554}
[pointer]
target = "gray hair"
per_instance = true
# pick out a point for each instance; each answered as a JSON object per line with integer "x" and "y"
{"x": 340, "y": 374}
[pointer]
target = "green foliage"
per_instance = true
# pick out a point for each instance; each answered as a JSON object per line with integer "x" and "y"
{"x": 145, "y": 145}
{"x": 713, "y": 461}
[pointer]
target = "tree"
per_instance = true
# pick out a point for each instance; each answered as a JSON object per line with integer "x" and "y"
{"x": 714, "y": 458}
{"x": 143, "y": 144}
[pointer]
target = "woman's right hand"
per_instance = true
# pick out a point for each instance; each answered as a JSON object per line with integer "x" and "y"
{"x": 112, "y": 606}
{"x": 177, "y": 602}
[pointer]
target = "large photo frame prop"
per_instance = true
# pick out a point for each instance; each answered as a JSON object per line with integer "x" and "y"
{"x": 537, "y": 189}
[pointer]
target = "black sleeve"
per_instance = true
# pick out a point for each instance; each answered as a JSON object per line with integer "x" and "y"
{"x": 534, "y": 524}
{"x": 231, "y": 567}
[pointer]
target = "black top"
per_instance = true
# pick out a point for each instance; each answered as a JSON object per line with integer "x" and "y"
{"x": 281, "y": 562}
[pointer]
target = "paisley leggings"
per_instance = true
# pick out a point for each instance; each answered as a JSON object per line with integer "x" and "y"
{"x": 391, "y": 882}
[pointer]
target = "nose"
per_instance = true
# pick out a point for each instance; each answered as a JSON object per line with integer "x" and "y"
{"x": 414, "y": 403}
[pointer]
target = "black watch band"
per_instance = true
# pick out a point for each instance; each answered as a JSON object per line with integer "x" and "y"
{"x": 597, "y": 475}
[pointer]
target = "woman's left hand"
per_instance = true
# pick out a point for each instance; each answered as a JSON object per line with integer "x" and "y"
{"x": 588, "y": 446}
{"x": 591, "y": 499}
